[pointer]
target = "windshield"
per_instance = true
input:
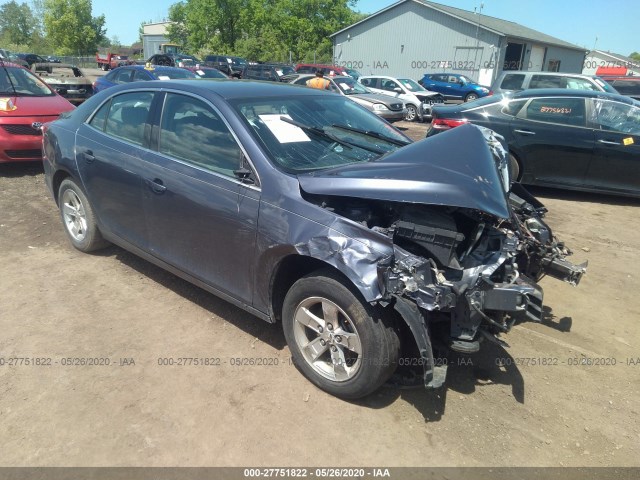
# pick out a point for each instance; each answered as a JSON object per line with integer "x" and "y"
{"x": 303, "y": 133}
{"x": 284, "y": 70}
{"x": 352, "y": 73}
{"x": 21, "y": 82}
{"x": 605, "y": 86}
{"x": 411, "y": 85}
{"x": 237, "y": 61}
{"x": 350, "y": 86}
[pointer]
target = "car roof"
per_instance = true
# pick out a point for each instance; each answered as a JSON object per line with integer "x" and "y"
{"x": 12, "y": 65}
{"x": 566, "y": 92}
{"x": 227, "y": 88}
{"x": 556, "y": 74}
{"x": 620, "y": 77}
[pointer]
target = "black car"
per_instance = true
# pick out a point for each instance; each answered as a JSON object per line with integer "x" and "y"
{"x": 274, "y": 72}
{"x": 625, "y": 85}
{"x": 576, "y": 139}
{"x": 32, "y": 58}
{"x": 302, "y": 207}
{"x": 174, "y": 60}
{"x": 229, "y": 65}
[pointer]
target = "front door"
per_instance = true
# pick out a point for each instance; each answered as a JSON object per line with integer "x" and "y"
{"x": 200, "y": 217}
{"x": 616, "y": 162}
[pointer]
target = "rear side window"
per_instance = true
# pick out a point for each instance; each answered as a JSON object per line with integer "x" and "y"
{"x": 193, "y": 132}
{"x": 564, "y": 111}
{"x": 513, "y": 107}
{"x": 368, "y": 82}
{"x": 547, "y": 81}
{"x": 127, "y": 116}
{"x": 512, "y": 81}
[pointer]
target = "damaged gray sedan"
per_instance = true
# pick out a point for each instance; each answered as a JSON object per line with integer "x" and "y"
{"x": 303, "y": 208}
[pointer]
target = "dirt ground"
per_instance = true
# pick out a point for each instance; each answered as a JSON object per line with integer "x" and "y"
{"x": 57, "y": 305}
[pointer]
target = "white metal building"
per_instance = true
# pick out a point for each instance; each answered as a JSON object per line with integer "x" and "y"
{"x": 414, "y": 37}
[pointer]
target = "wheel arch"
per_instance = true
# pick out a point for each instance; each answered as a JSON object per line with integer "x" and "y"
{"x": 291, "y": 269}
{"x": 58, "y": 177}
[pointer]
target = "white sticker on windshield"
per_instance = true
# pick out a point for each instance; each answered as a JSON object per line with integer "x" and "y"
{"x": 163, "y": 77}
{"x": 283, "y": 131}
{"x": 200, "y": 72}
{"x": 229, "y": 60}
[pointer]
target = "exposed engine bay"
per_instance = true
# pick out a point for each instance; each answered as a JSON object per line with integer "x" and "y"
{"x": 473, "y": 269}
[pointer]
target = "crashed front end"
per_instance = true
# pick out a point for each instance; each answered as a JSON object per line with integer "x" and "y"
{"x": 468, "y": 247}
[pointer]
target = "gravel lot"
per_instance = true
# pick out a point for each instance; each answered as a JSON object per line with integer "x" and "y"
{"x": 58, "y": 304}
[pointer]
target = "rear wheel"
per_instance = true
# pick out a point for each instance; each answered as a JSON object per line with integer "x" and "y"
{"x": 341, "y": 344}
{"x": 78, "y": 218}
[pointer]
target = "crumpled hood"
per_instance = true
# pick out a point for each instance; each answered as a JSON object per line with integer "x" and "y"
{"x": 454, "y": 168}
{"x": 376, "y": 98}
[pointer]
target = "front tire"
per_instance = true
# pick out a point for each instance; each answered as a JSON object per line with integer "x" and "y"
{"x": 78, "y": 218}
{"x": 340, "y": 343}
{"x": 412, "y": 113}
{"x": 471, "y": 97}
{"x": 514, "y": 166}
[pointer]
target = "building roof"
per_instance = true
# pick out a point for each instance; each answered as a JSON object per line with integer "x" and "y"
{"x": 493, "y": 24}
{"x": 616, "y": 60}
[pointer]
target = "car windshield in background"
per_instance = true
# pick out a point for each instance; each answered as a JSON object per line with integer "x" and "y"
{"x": 285, "y": 70}
{"x": 605, "y": 85}
{"x": 23, "y": 83}
{"x": 210, "y": 73}
{"x": 304, "y": 134}
{"x": 353, "y": 73}
{"x": 238, "y": 62}
{"x": 349, "y": 86}
{"x": 174, "y": 74}
{"x": 411, "y": 85}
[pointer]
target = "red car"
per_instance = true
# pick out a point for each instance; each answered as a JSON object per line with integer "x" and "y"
{"x": 26, "y": 102}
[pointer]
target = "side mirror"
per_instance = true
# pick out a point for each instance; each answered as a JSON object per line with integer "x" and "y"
{"x": 244, "y": 175}
{"x": 397, "y": 89}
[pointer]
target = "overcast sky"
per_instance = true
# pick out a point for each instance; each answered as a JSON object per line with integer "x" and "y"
{"x": 577, "y": 21}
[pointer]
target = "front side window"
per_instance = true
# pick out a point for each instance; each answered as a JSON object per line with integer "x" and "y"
{"x": 389, "y": 85}
{"x": 564, "y": 111}
{"x": 616, "y": 117}
{"x": 580, "y": 84}
{"x": 121, "y": 76}
{"x": 191, "y": 131}
{"x": 140, "y": 76}
{"x": 127, "y": 116}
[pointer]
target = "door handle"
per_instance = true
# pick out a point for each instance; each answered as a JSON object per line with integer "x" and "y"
{"x": 608, "y": 142}
{"x": 88, "y": 156}
{"x": 525, "y": 132}
{"x": 156, "y": 186}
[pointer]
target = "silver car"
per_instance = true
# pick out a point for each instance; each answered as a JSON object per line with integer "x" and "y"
{"x": 385, "y": 106}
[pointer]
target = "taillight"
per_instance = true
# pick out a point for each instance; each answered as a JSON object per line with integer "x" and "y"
{"x": 446, "y": 123}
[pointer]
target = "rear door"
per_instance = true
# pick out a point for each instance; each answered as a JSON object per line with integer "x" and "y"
{"x": 109, "y": 150}
{"x": 616, "y": 162}
{"x": 200, "y": 218}
{"x": 553, "y": 141}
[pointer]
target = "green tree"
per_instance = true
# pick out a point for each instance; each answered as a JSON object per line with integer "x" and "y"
{"x": 635, "y": 56}
{"x": 71, "y": 27}
{"x": 17, "y": 23}
{"x": 261, "y": 29}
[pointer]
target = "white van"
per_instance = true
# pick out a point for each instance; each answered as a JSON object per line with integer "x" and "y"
{"x": 416, "y": 98}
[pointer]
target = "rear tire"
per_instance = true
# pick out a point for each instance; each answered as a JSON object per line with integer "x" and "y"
{"x": 78, "y": 218}
{"x": 340, "y": 343}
